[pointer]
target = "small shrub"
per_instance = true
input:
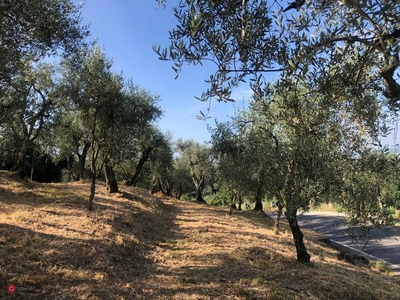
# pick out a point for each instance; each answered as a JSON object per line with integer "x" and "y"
{"x": 185, "y": 197}
{"x": 379, "y": 266}
{"x": 222, "y": 198}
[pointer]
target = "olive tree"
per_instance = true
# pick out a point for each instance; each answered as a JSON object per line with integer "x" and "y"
{"x": 32, "y": 29}
{"x": 199, "y": 159}
{"x": 30, "y": 104}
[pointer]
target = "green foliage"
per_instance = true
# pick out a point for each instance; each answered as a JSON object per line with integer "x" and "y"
{"x": 186, "y": 197}
{"x": 199, "y": 160}
{"x": 32, "y": 29}
{"x": 379, "y": 266}
{"x": 237, "y": 39}
{"x": 222, "y": 198}
{"x": 357, "y": 44}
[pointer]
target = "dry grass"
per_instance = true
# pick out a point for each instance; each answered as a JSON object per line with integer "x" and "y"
{"x": 137, "y": 246}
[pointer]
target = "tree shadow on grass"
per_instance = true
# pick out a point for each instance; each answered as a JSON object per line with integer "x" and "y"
{"x": 62, "y": 251}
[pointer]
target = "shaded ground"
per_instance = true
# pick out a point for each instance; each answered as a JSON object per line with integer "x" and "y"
{"x": 137, "y": 246}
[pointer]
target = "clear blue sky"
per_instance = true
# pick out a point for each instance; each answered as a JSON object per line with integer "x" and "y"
{"x": 127, "y": 29}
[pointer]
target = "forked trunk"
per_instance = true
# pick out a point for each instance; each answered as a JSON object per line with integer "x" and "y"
{"x": 199, "y": 195}
{"x": 302, "y": 254}
{"x": 132, "y": 181}
{"x": 199, "y": 190}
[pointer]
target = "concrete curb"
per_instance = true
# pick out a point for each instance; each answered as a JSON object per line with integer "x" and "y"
{"x": 394, "y": 269}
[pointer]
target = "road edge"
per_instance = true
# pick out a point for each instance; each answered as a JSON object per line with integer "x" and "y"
{"x": 394, "y": 269}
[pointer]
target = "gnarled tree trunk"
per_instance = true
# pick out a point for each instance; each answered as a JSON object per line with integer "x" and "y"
{"x": 199, "y": 183}
{"x": 109, "y": 173}
{"x": 143, "y": 158}
{"x": 21, "y": 162}
{"x": 302, "y": 254}
{"x": 82, "y": 160}
{"x": 258, "y": 200}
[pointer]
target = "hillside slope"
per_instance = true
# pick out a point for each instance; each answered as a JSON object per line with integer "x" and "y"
{"x": 138, "y": 246}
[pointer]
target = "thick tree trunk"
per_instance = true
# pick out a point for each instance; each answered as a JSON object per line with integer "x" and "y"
{"x": 258, "y": 200}
{"x": 302, "y": 254}
{"x": 233, "y": 204}
{"x": 240, "y": 201}
{"x": 110, "y": 177}
{"x": 82, "y": 161}
{"x": 199, "y": 191}
{"x": 21, "y": 162}
{"x": 132, "y": 181}
{"x": 169, "y": 192}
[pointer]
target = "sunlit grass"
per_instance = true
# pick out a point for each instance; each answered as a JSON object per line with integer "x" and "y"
{"x": 137, "y": 246}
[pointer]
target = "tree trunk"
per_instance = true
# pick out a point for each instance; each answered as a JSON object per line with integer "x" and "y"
{"x": 302, "y": 254}
{"x": 21, "y": 162}
{"x": 199, "y": 191}
{"x": 92, "y": 191}
{"x": 278, "y": 217}
{"x": 169, "y": 192}
{"x": 258, "y": 200}
{"x": 132, "y": 181}
{"x": 110, "y": 177}
{"x": 33, "y": 163}
{"x": 82, "y": 161}
{"x": 178, "y": 193}
{"x": 93, "y": 176}
{"x": 240, "y": 201}
{"x": 233, "y": 204}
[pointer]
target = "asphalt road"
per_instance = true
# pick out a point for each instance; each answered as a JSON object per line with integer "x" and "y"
{"x": 382, "y": 244}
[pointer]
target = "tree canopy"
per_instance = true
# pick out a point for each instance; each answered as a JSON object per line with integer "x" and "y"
{"x": 250, "y": 38}
{"x": 33, "y": 29}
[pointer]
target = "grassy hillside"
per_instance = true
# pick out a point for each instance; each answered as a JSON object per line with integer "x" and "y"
{"x": 137, "y": 246}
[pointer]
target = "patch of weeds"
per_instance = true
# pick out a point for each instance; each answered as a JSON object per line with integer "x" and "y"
{"x": 173, "y": 254}
{"x": 184, "y": 280}
{"x": 181, "y": 242}
{"x": 242, "y": 292}
{"x": 259, "y": 280}
{"x": 277, "y": 293}
{"x": 379, "y": 266}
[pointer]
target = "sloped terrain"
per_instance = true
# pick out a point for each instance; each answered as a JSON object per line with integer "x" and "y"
{"x": 138, "y": 246}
